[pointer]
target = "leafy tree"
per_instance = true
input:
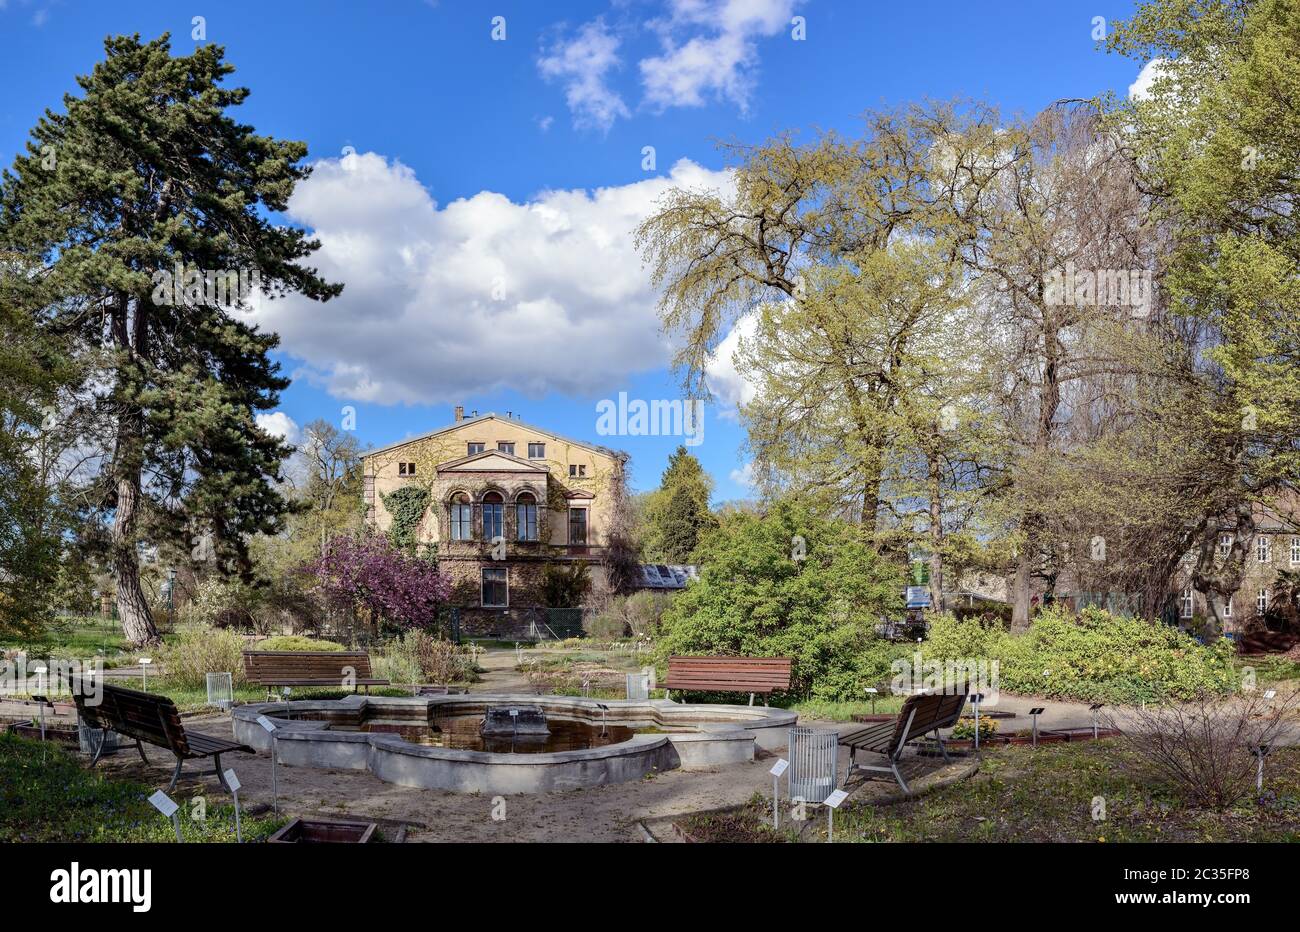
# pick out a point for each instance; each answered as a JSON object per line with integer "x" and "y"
{"x": 677, "y": 513}
{"x": 370, "y": 575}
{"x": 143, "y": 176}
{"x": 1217, "y": 143}
{"x": 790, "y": 584}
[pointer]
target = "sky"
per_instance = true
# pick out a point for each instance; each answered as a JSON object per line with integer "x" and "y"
{"x": 479, "y": 168}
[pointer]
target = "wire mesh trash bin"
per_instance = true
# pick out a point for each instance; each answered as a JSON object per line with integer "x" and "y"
{"x": 89, "y": 738}
{"x": 814, "y": 763}
{"x": 220, "y": 690}
{"x": 638, "y": 686}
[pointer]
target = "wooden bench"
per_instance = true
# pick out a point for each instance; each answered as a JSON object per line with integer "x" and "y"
{"x": 729, "y": 675}
{"x": 309, "y": 668}
{"x": 920, "y": 715}
{"x": 146, "y": 717}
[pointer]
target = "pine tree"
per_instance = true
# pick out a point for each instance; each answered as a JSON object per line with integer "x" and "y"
{"x": 677, "y": 513}
{"x": 145, "y": 206}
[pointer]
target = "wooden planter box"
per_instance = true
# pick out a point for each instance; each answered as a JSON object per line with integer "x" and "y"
{"x": 311, "y": 832}
{"x": 59, "y": 734}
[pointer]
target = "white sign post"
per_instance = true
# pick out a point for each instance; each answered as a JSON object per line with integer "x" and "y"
{"x": 144, "y": 673}
{"x": 270, "y": 730}
{"x": 832, "y": 803}
{"x": 780, "y": 767}
{"x": 232, "y": 781}
{"x": 40, "y": 670}
{"x": 163, "y": 803}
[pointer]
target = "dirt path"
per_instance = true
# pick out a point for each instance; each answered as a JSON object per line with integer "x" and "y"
{"x": 498, "y": 673}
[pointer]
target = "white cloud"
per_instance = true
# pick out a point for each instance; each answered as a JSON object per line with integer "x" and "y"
{"x": 744, "y": 476}
{"x": 724, "y": 381}
{"x": 442, "y": 303}
{"x": 1140, "y": 89}
{"x": 582, "y": 64}
{"x": 710, "y": 50}
{"x": 279, "y": 424}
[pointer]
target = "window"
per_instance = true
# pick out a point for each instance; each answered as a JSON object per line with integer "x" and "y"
{"x": 1225, "y": 544}
{"x": 1261, "y": 601}
{"x": 494, "y": 513}
{"x": 406, "y": 469}
{"x": 496, "y": 589}
{"x": 1187, "y": 603}
{"x": 526, "y": 516}
{"x": 1264, "y": 549}
{"x": 1295, "y": 550}
{"x": 506, "y": 446}
{"x": 537, "y": 451}
{"x": 462, "y": 518}
{"x": 474, "y": 448}
{"x": 576, "y": 471}
{"x": 578, "y": 526}
{"x": 1227, "y": 607}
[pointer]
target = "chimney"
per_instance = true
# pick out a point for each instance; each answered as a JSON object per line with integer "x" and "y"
{"x": 460, "y": 413}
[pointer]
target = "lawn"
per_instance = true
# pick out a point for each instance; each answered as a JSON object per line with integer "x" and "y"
{"x": 47, "y": 795}
{"x": 1044, "y": 795}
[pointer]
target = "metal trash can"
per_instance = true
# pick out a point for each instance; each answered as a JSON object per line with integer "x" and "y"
{"x": 638, "y": 686}
{"x": 88, "y": 738}
{"x": 221, "y": 691}
{"x": 814, "y": 763}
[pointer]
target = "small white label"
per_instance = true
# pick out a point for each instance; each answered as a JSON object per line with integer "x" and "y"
{"x": 145, "y": 660}
{"x": 266, "y": 723}
{"x": 231, "y": 780}
{"x": 836, "y": 798}
{"x": 163, "y": 803}
{"x": 1270, "y": 693}
{"x": 871, "y": 689}
{"x": 780, "y": 767}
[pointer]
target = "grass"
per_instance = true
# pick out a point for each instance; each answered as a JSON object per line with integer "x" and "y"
{"x": 823, "y": 710}
{"x": 47, "y": 795}
{"x": 1049, "y": 795}
{"x": 1270, "y": 669}
{"x": 81, "y": 638}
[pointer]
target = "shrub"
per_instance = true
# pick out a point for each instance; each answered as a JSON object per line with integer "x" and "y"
{"x": 194, "y": 653}
{"x": 297, "y": 642}
{"x": 964, "y": 730}
{"x": 1093, "y": 656}
{"x": 419, "y": 657}
{"x": 609, "y": 625}
{"x": 1203, "y": 749}
{"x": 223, "y": 603}
{"x": 790, "y": 584}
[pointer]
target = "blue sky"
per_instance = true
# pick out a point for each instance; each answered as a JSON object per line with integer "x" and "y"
{"x": 480, "y": 228}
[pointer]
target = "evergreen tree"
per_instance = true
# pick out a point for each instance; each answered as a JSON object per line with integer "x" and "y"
{"x": 145, "y": 206}
{"x": 677, "y": 514}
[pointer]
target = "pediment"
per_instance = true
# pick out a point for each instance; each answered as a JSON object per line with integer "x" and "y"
{"x": 491, "y": 461}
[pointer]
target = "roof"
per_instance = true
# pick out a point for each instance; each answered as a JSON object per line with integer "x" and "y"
{"x": 667, "y": 576}
{"x": 492, "y": 416}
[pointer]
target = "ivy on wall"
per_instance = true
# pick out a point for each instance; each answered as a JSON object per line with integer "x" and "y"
{"x": 406, "y": 507}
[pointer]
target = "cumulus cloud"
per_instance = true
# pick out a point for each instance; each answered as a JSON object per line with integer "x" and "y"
{"x": 728, "y": 385}
{"x": 279, "y": 424}
{"x": 481, "y": 295}
{"x": 744, "y": 476}
{"x": 582, "y": 64}
{"x": 1140, "y": 89}
{"x": 710, "y": 50}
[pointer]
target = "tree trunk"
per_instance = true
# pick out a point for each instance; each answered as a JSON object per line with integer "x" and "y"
{"x": 132, "y": 607}
{"x": 936, "y": 535}
{"x": 1020, "y": 593}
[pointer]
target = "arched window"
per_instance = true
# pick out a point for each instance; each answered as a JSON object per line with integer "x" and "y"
{"x": 526, "y": 516}
{"x": 462, "y": 517}
{"x": 494, "y": 516}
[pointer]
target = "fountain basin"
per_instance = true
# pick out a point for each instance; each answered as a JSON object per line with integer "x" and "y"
{"x": 663, "y": 735}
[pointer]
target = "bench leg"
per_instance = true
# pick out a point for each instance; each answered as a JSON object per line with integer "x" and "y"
{"x": 942, "y": 749}
{"x": 140, "y": 747}
{"x": 175, "y": 776}
{"x": 99, "y": 751}
{"x": 221, "y": 777}
{"x": 893, "y": 765}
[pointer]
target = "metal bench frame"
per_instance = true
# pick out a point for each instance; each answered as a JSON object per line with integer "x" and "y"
{"x": 891, "y": 748}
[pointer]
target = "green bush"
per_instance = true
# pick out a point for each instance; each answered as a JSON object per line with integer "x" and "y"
{"x": 790, "y": 584}
{"x": 420, "y": 657}
{"x": 196, "y": 652}
{"x": 297, "y": 642}
{"x": 1093, "y": 656}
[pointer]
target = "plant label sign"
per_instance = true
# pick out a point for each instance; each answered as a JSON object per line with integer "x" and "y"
{"x": 836, "y": 798}
{"x": 780, "y": 767}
